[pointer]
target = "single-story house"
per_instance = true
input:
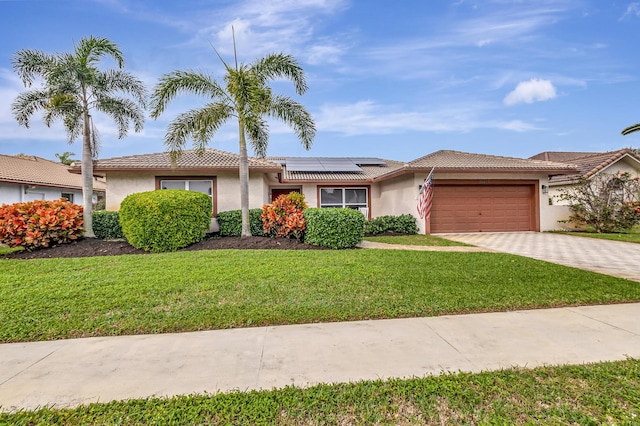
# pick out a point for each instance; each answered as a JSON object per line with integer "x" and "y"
{"x": 28, "y": 178}
{"x": 589, "y": 164}
{"x": 471, "y": 192}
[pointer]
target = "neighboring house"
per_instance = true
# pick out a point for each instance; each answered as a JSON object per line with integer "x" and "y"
{"x": 29, "y": 178}
{"x": 472, "y": 192}
{"x": 588, "y": 165}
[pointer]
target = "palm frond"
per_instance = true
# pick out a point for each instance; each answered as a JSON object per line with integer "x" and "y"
{"x": 27, "y": 103}
{"x": 91, "y": 49}
{"x": 258, "y": 133}
{"x": 30, "y": 64}
{"x": 631, "y": 129}
{"x": 295, "y": 116}
{"x": 198, "y": 124}
{"x": 187, "y": 82}
{"x": 279, "y": 65}
{"x": 122, "y": 111}
{"x": 124, "y": 82}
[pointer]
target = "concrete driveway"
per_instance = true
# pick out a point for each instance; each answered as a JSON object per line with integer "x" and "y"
{"x": 607, "y": 257}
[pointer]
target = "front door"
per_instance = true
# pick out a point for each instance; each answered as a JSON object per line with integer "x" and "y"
{"x": 276, "y": 192}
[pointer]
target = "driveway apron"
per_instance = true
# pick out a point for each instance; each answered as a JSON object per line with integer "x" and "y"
{"x": 614, "y": 258}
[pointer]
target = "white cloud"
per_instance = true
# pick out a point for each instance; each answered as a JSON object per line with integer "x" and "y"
{"x": 632, "y": 9}
{"x": 370, "y": 118}
{"x": 531, "y": 91}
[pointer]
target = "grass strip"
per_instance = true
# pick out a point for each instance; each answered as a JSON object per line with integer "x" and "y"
{"x": 45, "y": 299}
{"x": 414, "y": 240}
{"x": 600, "y": 393}
{"x": 631, "y": 237}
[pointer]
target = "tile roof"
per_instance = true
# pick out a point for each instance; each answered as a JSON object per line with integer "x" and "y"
{"x": 211, "y": 159}
{"x": 560, "y": 156}
{"x": 368, "y": 173}
{"x": 34, "y": 170}
{"x": 592, "y": 163}
{"x": 446, "y": 160}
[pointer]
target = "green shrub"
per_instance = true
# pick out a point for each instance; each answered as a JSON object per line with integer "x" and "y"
{"x": 166, "y": 220}
{"x": 40, "y": 223}
{"x": 106, "y": 225}
{"x": 334, "y": 228}
{"x": 230, "y": 223}
{"x": 403, "y": 224}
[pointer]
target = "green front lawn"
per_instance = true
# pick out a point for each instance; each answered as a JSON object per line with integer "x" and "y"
{"x": 630, "y": 237}
{"x": 64, "y": 298}
{"x": 414, "y": 240}
{"x": 602, "y": 393}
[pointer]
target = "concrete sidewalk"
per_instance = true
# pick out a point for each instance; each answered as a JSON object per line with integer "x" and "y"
{"x": 67, "y": 373}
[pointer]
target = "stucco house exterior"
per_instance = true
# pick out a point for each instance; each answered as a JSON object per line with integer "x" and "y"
{"x": 28, "y": 178}
{"x": 588, "y": 165}
{"x": 472, "y": 192}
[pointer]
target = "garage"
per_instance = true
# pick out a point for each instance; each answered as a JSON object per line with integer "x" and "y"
{"x": 484, "y": 207}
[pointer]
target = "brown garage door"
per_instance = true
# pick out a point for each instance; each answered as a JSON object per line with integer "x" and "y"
{"x": 483, "y": 208}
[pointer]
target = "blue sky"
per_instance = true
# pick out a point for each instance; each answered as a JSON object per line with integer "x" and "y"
{"x": 395, "y": 80}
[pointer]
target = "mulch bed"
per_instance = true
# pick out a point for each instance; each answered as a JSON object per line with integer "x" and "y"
{"x": 88, "y": 247}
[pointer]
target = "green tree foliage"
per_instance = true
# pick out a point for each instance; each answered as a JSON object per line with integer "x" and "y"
{"x": 607, "y": 202}
{"x": 244, "y": 94}
{"x": 72, "y": 88}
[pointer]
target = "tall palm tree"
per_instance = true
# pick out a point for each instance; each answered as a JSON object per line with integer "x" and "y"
{"x": 244, "y": 95}
{"x": 72, "y": 88}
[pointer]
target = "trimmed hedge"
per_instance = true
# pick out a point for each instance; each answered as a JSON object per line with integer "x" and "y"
{"x": 40, "y": 223}
{"x": 403, "y": 224}
{"x": 160, "y": 221}
{"x": 334, "y": 228}
{"x": 230, "y": 223}
{"x": 106, "y": 225}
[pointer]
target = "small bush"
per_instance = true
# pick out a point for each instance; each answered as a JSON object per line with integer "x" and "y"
{"x": 40, "y": 223}
{"x": 284, "y": 217}
{"x": 334, "y": 228}
{"x": 403, "y": 224}
{"x": 230, "y": 223}
{"x": 106, "y": 225}
{"x": 160, "y": 221}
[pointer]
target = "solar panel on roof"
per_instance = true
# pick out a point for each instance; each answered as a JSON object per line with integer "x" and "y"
{"x": 368, "y": 161}
{"x": 325, "y": 165}
{"x": 339, "y": 165}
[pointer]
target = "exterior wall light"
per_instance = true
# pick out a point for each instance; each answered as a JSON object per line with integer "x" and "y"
{"x": 545, "y": 189}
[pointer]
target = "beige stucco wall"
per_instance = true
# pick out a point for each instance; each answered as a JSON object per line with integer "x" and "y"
{"x": 119, "y": 185}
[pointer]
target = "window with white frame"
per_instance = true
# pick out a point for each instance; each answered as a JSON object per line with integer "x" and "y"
{"x": 68, "y": 196}
{"x": 199, "y": 185}
{"x": 353, "y": 198}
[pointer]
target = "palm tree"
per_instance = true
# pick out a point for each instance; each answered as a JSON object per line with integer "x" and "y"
{"x": 65, "y": 157}
{"x": 246, "y": 96}
{"x": 72, "y": 87}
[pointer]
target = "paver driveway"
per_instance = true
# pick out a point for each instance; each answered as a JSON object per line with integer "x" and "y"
{"x": 608, "y": 257}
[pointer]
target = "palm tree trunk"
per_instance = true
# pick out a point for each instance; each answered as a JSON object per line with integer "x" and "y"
{"x": 87, "y": 177}
{"x": 244, "y": 182}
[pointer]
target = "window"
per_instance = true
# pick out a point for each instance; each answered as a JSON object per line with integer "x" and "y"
{"x": 353, "y": 198}
{"x": 206, "y": 186}
{"x": 68, "y": 196}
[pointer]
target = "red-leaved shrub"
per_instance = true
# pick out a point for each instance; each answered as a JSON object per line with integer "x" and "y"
{"x": 40, "y": 223}
{"x": 284, "y": 217}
